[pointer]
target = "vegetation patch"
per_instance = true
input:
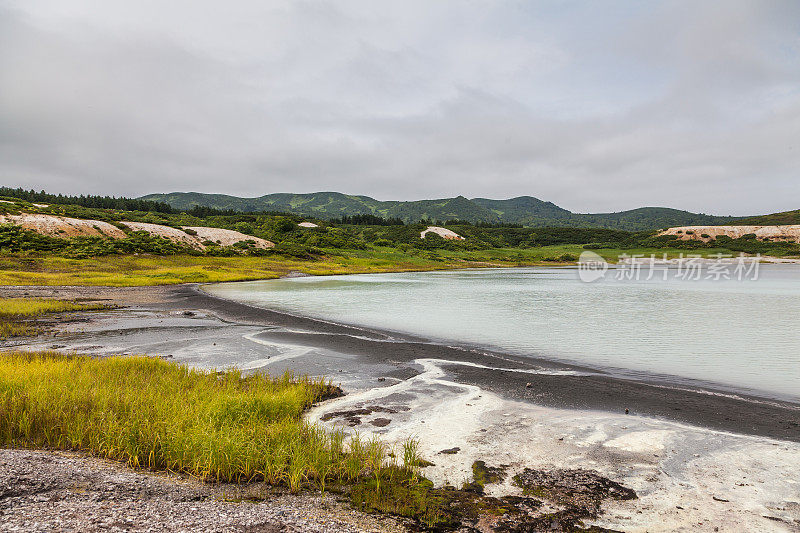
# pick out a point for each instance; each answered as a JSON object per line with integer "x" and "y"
{"x": 217, "y": 426}
{"x": 448, "y": 508}
{"x": 18, "y": 315}
{"x": 138, "y": 270}
{"x": 485, "y": 475}
{"x": 354, "y": 244}
{"x": 416, "y": 498}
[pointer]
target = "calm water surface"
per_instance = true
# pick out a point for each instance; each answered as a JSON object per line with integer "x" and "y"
{"x": 744, "y": 335}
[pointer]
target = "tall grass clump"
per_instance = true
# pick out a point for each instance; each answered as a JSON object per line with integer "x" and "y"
{"x": 31, "y": 307}
{"x": 218, "y": 426}
{"x": 16, "y": 312}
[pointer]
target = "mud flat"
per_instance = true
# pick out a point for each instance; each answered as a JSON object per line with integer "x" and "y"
{"x": 696, "y": 458}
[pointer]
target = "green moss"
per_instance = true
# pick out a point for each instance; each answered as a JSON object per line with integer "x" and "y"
{"x": 484, "y": 475}
{"x": 408, "y": 497}
{"x": 443, "y": 508}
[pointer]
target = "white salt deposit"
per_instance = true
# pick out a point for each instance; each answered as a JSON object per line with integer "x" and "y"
{"x": 676, "y": 470}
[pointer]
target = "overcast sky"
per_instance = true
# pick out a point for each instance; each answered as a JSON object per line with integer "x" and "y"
{"x": 595, "y": 105}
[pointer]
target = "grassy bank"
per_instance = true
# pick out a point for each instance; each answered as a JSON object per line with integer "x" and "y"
{"x": 137, "y": 270}
{"x": 569, "y": 253}
{"x": 15, "y": 313}
{"x": 149, "y": 413}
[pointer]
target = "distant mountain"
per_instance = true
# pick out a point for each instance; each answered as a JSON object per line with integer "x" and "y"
{"x": 775, "y": 219}
{"x": 525, "y": 210}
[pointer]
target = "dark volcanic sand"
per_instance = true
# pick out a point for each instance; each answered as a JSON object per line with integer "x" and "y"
{"x": 706, "y": 408}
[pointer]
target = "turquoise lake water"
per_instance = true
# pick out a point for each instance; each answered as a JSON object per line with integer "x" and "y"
{"x": 743, "y": 335}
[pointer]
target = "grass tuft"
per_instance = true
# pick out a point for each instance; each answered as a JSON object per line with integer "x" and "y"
{"x": 146, "y": 412}
{"x": 15, "y": 313}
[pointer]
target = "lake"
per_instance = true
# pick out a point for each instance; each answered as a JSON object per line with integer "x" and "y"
{"x": 738, "y": 335}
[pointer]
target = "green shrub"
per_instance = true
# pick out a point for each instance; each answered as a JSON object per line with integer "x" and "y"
{"x": 295, "y": 250}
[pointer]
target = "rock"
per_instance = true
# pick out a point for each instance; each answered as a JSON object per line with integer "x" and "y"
{"x": 450, "y": 451}
{"x": 528, "y": 385}
{"x": 719, "y": 499}
{"x": 381, "y": 379}
{"x": 380, "y": 422}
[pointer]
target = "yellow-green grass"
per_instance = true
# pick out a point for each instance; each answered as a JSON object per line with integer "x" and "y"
{"x": 568, "y": 253}
{"x": 137, "y": 270}
{"x": 133, "y": 270}
{"x": 14, "y": 329}
{"x": 14, "y": 312}
{"x": 146, "y": 412}
{"x": 29, "y": 307}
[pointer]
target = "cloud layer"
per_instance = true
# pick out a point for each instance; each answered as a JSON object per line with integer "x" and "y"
{"x": 597, "y": 106}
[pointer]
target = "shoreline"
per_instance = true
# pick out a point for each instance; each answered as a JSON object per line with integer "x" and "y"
{"x": 718, "y": 461}
{"x": 552, "y": 384}
{"x": 587, "y": 389}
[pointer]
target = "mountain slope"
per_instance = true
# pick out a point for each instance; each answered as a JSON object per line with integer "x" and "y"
{"x": 522, "y": 207}
{"x": 458, "y": 208}
{"x": 525, "y": 210}
{"x": 775, "y": 219}
{"x": 647, "y": 218}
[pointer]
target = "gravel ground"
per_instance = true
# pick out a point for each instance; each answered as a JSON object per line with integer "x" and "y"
{"x": 56, "y": 491}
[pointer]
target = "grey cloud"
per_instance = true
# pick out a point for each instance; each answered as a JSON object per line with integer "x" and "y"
{"x": 596, "y": 109}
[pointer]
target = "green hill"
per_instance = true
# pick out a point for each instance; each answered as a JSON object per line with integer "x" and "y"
{"x": 775, "y": 219}
{"x": 525, "y": 210}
